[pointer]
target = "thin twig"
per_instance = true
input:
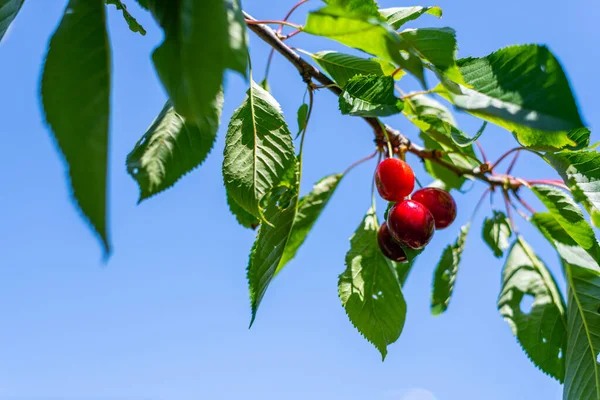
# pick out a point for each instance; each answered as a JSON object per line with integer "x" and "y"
{"x": 512, "y": 163}
{"x": 481, "y": 151}
{"x": 357, "y": 163}
{"x": 507, "y": 204}
{"x": 523, "y": 202}
{"x": 272, "y": 22}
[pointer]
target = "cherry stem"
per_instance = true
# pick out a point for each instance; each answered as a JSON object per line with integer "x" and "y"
{"x": 524, "y": 203}
{"x": 311, "y": 100}
{"x": 503, "y": 156}
{"x": 512, "y": 163}
{"x": 481, "y": 151}
{"x": 272, "y": 22}
{"x": 551, "y": 182}
{"x": 485, "y": 193}
{"x": 415, "y": 94}
{"x": 507, "y": 204}
{"x": 362, "y": 160}
{"x": 289, "y": 35}
{"x": 396, "y": 71}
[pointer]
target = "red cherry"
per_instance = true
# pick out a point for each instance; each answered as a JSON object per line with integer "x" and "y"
{"x": 388, "y": 246}
{"x": 411, "y": 224}
{"x": 440, "y": 203}
{"x": 395, "y": 179}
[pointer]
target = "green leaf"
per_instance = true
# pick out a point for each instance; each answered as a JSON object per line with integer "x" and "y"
{"x": 445, "y": 273}
{"x": 358, "y": 7}
{"x": 191, "y": 82}
{"x": 302, "y": 118}
{"x": 541, "y": 331}
{"x": 496, "y": 233}
{"x": 403, "y": 269}
{"x": 310, "y": 208}
{"x": 134, "y": 26}
{"x": 369, "y": 288}
{"x": 581, "y": 172}
{"x": 582, "y": 375}
{"x": 143, "y": 4}
{"x": 341, "y": 67}
{"x": 8, "y": 12}
{"x": 272, "y": 238}
{"x": 520, "y": 88}
{"x": 366, "y": 32}
{"x": 171, "y": 148}
{"x": 438, "y": 172}
{"x": 581, "y": 136}
{"x": 370, "y": 96}
{"x": 398, "y": 16}
{"x": 463, "y": 140}
{"x": 424, "y": 106}
{"x": 258, "y": 150}
{"x": 76, "y": 104}
{"x": 242, "y": 216}
{"x": 568, "y": 214}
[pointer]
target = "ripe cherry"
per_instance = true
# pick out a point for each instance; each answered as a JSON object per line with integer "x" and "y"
{"x": 440, "y": 203}
{"x": 411, "y": 224}
{"x": 388, "y": 246}
{"x": 395, "y": 179}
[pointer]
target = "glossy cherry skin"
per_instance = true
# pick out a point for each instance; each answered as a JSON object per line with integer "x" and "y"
{"x": 411, "y": 224}
{"x": 388, "y": 246}
{"x": 395, "y": 179}
{"x": 439, "y": 203}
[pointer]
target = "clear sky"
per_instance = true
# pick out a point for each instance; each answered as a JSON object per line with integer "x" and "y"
{"x": 167, "y": 317}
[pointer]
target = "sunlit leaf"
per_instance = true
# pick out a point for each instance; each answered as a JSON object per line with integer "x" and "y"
{"x": 398, "y": 16}
{"x": 341, "y": 67}
{"x": 496, "y": 233}
{"x": 370, "y": 96}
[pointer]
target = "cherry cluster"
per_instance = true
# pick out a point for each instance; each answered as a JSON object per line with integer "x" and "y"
{"x": 412, "y": 221}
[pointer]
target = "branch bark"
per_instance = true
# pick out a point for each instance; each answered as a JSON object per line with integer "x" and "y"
{"x": 309, "y": 72}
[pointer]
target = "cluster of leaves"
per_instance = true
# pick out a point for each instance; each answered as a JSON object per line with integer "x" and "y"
{"x": 520, "y": 88}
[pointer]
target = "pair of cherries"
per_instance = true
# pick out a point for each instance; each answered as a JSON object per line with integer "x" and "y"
{"x": 410, "y": 222}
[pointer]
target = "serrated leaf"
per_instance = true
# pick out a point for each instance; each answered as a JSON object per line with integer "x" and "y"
{"x": 445, "y": 273}
{"x": 341, "y": 67}
{"x": 438, "y": 172}
{"x": 242, "y": 216}
{"x": 463, "y": 140}
{"x": 310, "y": 208}
{"x": 582, "y": 370}
{"x": 302, "y": 118}
{"x": 520, "y": 88}
{"x": 581, "y": 136}
{"x": 369, "y": 288}
{"x": 581, "y": 172}
{"x": 496, "y": 232}
{"x": 134, "y": 26}
{"x": 258, "y": 150}
{"x": 568, "y": 214}
{"x": 424, "y": 106}
{"x": 541, "y": 331}
{"x": 8, "y": 12}
{"x": 76, "y": 104}
{"x": 370, "y": 96}
{"x": 360, "y": 7}
{"x": 364, "y": 31}
{"x": 272, "y": 238}
{"x": 171, "y": 148}
{"x": 398, "y": 16}
{"x": 191, "y": 82}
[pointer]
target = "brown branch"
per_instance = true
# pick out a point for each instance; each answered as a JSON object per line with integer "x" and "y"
{"x": 309, "y": 72}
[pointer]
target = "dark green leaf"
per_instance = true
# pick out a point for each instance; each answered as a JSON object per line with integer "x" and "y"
{"x": 309, "y": 210}
{"x": 370, "y": 96}
{"x": 581, "y": 136}
{"x": 242, "y": 216}
{"x": 76, "y": 103}
{"x": 442, "y": 174}
{"x": 134, "y": 26}
{"x": 171, "y": 148}
{"x": 369, "y": 288}
{"x": 463, "y": 140}
{"x": 143, "y": 4}
{"x": 496, "y": 233}
{"x": 302, "y": 116}
{"x": 8, "y": 12}
{"x": 237, "y": 58}
{"x": 523, "y": 89}
{"x": 258, "y": 150}
{"x": 341, "y": 67}
{"x": 398, "y": 16}
{"x": 445, "y": 273}
{"x": 403, "y": 269}
{"x": 272, "y": 238}
{"x": 581, "y": 172}
{"x": 541, "y": 331}
{"x": 568, "y": 214}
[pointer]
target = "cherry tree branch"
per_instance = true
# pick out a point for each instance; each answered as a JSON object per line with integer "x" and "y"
{"x": 309, "y": 72}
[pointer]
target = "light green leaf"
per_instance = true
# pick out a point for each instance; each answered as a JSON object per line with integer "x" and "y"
{"x": 398, "y": 16}
{"x": 520, "y": 88}
{"x": 341, "y": 67}
{"x": 302, "y": 118}
{"x": 541, "y": 331}
{"x": 8, "y": 12}
{"x": 568, "y": 214}
{"x": 370, "y": 96}
{"x": 418, "y": 106}
{"x": 310, "y": 208}
{"x": 237, "y": 58}
{"x": 134, "y": 26}
{"x": 581, "y": 172}
{"x": 171, "y": 148}
{"x": 463, "y": 140}
{"x": 76, "y": 104}
{"x": 581, "y": 136}
{"x": 258, "y": 150}
{"x": 369, "y": 288}
{"x": 582, "y": 375}
{"x": 442, "y": 174}
{"x": 191, "y": 82}
{"x": 496, "y": 233}
{"x": 358, "y": 7}
{"x": 445, "y": 273}
{"x": 272, "y": 238}
{"x": 366, "y": 32}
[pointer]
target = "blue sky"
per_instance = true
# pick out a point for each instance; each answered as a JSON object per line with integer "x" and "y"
{"x": 167, "y": 317}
